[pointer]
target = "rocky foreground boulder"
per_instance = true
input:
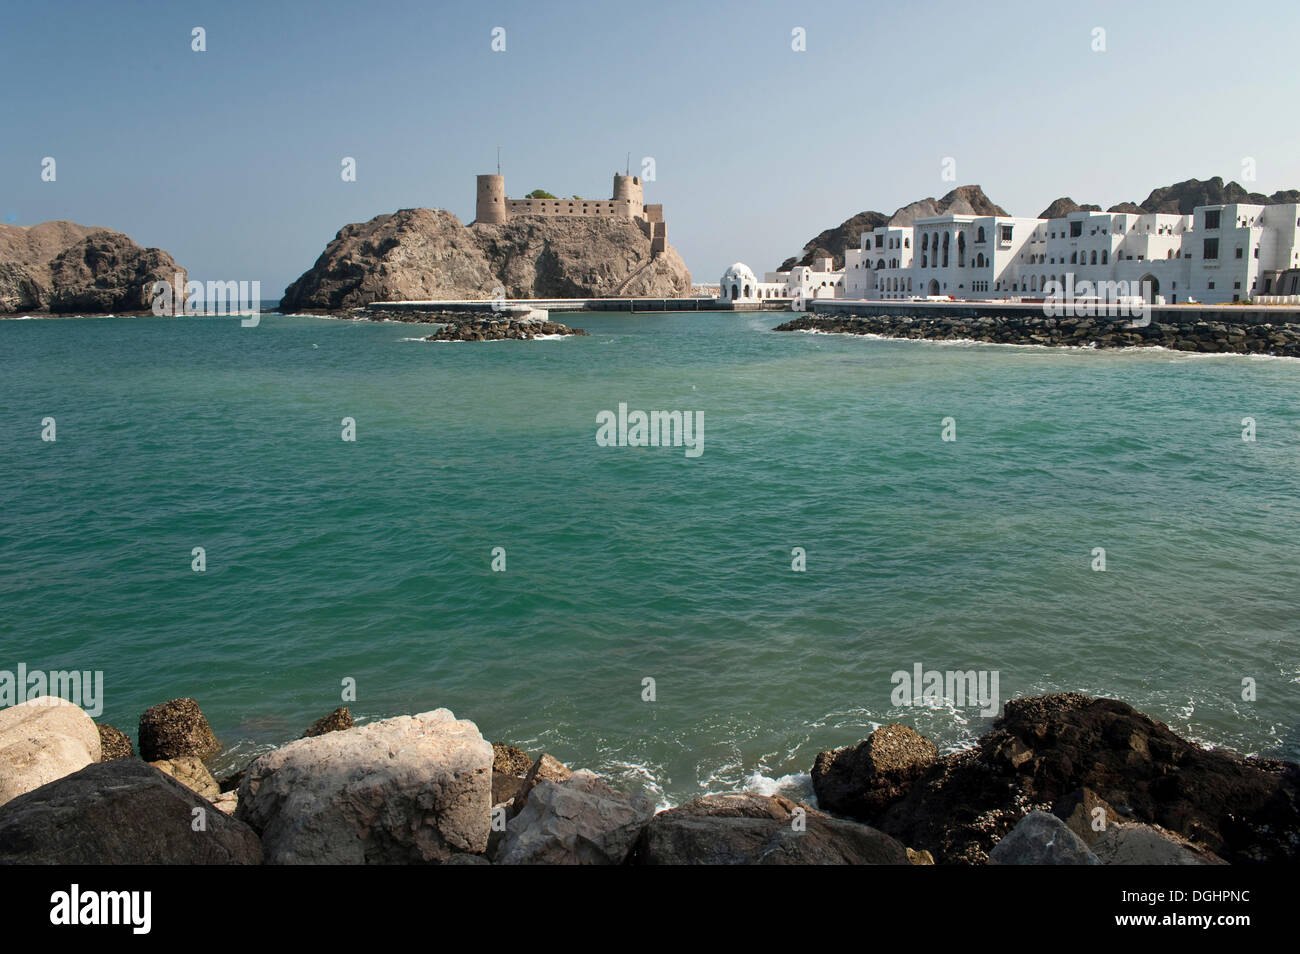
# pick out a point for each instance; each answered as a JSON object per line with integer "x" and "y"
{"x": 42, "y": 740}
{"x": 410, "y": 789}
{"x": 114, "y": 744}
{"x": 122, "y": 812}
{"x": 580, "y": 820}
{"x": 65, "y": 268}
{"x": 750, "y": 829}
{"x": 862, "y": 780}
{"x": 175, "y": 728}
{"x": 1045, "y": 748}
{"x": 420, "y": 254}
{"x": 1040, "y": 838}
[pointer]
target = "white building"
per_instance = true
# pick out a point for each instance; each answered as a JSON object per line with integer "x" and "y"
{"x": 817, "y": 281}
{"x": 1219, "y": 253}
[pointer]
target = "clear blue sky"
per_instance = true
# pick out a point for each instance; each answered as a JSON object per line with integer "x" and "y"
{"x": 230, "y": 159}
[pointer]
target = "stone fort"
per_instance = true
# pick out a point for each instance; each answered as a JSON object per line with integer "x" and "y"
{"x": 628, "y": 202}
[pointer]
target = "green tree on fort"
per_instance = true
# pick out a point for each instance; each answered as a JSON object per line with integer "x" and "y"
{"x": 539, "y": 194}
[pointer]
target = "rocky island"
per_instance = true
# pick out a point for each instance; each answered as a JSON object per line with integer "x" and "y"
{"x": 62, "y": 268}
{"x": 1060, "y": 779}
{"x": 423, "y": 254}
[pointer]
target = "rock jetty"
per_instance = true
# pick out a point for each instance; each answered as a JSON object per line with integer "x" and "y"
{"x": 1205, "y": 337}
{"x": 1060, "y": 779}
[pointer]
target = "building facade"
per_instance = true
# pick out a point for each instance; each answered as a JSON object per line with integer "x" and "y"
{"x": 1217, "y": 254}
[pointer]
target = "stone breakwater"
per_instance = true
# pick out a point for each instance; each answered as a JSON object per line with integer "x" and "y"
{"x": 1060, "y": 779}
{"x": 511, "y": 322}
{"x": 499, "y": 329}
{"x": 1206, "y": 337}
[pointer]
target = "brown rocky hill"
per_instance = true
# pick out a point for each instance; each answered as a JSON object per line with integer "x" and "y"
{"x": 1064, "y": 206}
{"x": 429, "y": 254}
{"x": 963, "y": 200}
{"x": 64, "y": 268}
{"x": 1182, "y": 198}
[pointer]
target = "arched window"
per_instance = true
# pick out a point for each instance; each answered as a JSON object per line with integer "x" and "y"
{"x": 735, "y": 292}
{"x": 946, "y": 243}
{"x": 1094, "y": 257}
{"x": 961, "y": 249}
{"x": 1105, "y": 256}
{"x": 979, "y": 235}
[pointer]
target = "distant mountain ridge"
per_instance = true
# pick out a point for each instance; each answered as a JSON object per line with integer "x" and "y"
{"x": 963, "y": 200}
{"x": 1181, "y": 198}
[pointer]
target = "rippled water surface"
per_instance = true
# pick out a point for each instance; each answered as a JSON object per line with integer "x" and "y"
{"x": 372, "y": 560}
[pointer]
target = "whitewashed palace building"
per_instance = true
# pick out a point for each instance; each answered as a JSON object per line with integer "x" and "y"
{"x": 1217, "y": 254}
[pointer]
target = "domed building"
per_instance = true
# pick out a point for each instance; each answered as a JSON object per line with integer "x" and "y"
{"x": 739, "y": 284}
{"x": 803, "y": 283}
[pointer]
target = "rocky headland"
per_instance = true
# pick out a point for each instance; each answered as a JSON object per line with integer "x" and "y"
{"x": 1205, "y": 337}
{"x": 62, "y": 268}
{"x": 1060, "y": 779}
{"x": 427, "y": 254}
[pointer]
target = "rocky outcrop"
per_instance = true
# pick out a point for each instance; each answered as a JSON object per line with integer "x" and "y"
{"x": 42, "y": 740}
{"x": 862, "y": 780}
{"x": 1182, "y": 198}
{"x": 1063, "y": 206}
{"x": 190, "y": 771}
{"x": 510, "y": 767}
{"x": 500, "y": 329}
{"x": 65, "y": 268}
{"x": 833, "y": 241}
{"x": 1044, "y": 749}
{"x": 963, "y": 200}
{"x": 1041, "y": 839}
{"x": 175, "y": 728}
{"x": 750, "y": 829}
{"x": 114, "y": 744}
{"x": 1205, "y": 337}
{"x": 404, "y": 790}
{"x": 336, "y": 721}
{"x": 580, "y": 820}
{"x": 122, "y": 812}
{"x": 510, "y": 759}
{"x": 420, "y": 254}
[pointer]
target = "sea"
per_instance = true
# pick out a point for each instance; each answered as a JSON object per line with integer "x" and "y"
{"x": 1121, "y": 523}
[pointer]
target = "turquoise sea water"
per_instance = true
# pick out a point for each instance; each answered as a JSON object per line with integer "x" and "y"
{"x": 372, "y": 560}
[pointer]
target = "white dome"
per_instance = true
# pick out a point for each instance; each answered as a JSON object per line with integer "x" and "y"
{"x": 739, "y": 272}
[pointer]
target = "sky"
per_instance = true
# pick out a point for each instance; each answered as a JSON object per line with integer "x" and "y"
{"x": 231, "y": 158}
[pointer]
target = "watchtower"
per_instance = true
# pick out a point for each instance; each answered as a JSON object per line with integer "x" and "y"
{"x": 490, "y": 208}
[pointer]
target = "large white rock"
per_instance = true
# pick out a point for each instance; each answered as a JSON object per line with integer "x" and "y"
{"x": 42, "y": 740}
{"x": 409, "y": 789}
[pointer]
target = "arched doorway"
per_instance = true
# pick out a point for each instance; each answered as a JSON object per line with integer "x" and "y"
{"x": 933, "y": 288}
{"x": 735, "y": 292}
{"x": 1155, "y": 287}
